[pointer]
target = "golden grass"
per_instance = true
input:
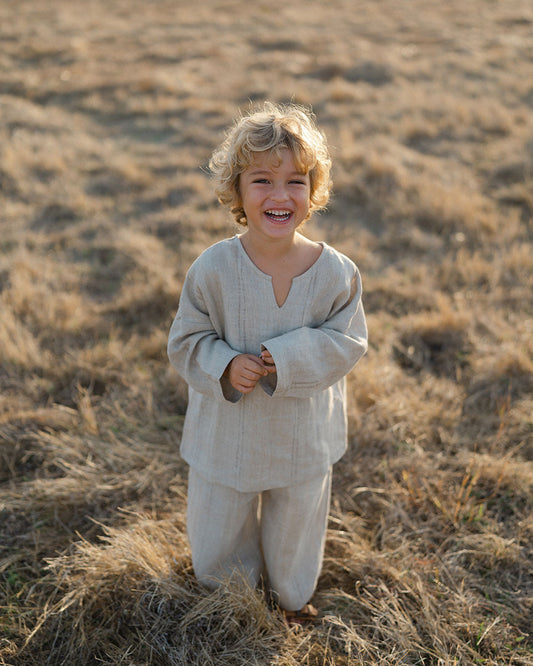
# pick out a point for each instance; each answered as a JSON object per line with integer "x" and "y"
{"x": 109, "y": 112}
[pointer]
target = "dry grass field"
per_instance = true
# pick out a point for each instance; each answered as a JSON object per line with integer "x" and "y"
{"x": 108, "y": 114}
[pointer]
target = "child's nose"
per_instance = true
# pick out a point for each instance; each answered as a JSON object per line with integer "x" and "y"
{"x": 279, "y": 193}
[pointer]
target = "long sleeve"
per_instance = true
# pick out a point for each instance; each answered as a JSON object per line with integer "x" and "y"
{"x": 311, "y": 359}
{"x": 195, "y": 348}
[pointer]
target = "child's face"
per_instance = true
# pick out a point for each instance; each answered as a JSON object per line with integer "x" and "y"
{"x": 274, "y": 194}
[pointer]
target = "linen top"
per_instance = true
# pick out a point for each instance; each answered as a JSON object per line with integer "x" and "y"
{"x": 293, "y": 425}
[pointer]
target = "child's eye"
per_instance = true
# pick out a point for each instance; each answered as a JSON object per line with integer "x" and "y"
{"x": 298, "y": 182}
{"x": 261, "y": 180}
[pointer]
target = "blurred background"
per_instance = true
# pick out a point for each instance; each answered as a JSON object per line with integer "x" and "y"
{"x": 109, "y": 112}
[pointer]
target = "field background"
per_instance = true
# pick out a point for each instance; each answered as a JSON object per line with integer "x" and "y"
{"x": 108, "y": 114}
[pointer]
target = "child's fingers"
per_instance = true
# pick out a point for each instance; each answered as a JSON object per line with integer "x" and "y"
{"x": 268, "y": 361}
{"x": 244, "y": 384}
{"x": 244, "y": 388}
{"x": 253, "y": 374}
{"x": 245, "y": 371}
{"x": 255, "y": 366}
{"x": 248, "y": 377}
{"x": 267, "y": 357}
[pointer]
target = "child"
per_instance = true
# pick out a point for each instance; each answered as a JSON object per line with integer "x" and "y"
{"x": 269, "y": 324}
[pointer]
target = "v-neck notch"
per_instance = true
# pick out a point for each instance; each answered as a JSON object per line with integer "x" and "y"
{"x": 267, "y": 276}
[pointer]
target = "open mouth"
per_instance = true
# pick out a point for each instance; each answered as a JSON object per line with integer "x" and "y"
{"x": 278, "y": 216}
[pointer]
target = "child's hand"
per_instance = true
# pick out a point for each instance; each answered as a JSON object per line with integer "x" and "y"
{"x": 245, "y": 371}
{"x": 268, "y": 361}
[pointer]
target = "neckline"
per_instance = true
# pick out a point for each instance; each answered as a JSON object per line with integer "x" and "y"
{"x": 269, "y": 277}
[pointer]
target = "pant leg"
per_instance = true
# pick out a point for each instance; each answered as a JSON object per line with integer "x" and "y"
{"x": 293, "y": 524}
{"x": 222, "y": 525}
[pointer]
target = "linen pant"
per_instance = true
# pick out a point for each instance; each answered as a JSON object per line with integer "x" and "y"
{"x": 279, "y": 532}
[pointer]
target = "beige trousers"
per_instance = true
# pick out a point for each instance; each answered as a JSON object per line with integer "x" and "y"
{"x": 278, "y": 533}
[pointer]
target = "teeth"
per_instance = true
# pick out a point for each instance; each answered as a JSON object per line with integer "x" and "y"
{"x": 280, "y": 213}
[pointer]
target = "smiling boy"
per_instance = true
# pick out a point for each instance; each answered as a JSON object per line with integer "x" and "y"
{"x": 269, "y": 324}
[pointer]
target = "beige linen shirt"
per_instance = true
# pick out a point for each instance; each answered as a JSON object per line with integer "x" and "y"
{"x": 292, "y": 426}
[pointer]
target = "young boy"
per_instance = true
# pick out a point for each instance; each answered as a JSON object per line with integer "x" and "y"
{"x": 269, "y": 323}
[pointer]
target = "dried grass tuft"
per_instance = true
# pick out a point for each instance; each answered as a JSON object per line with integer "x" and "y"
{"x": 137, "y": 587}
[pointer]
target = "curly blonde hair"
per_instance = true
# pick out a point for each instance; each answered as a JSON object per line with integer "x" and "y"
{"x": 272, "y": 127}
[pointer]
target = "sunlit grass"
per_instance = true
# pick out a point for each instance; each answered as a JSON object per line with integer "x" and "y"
{"x": 109, "y": 113}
